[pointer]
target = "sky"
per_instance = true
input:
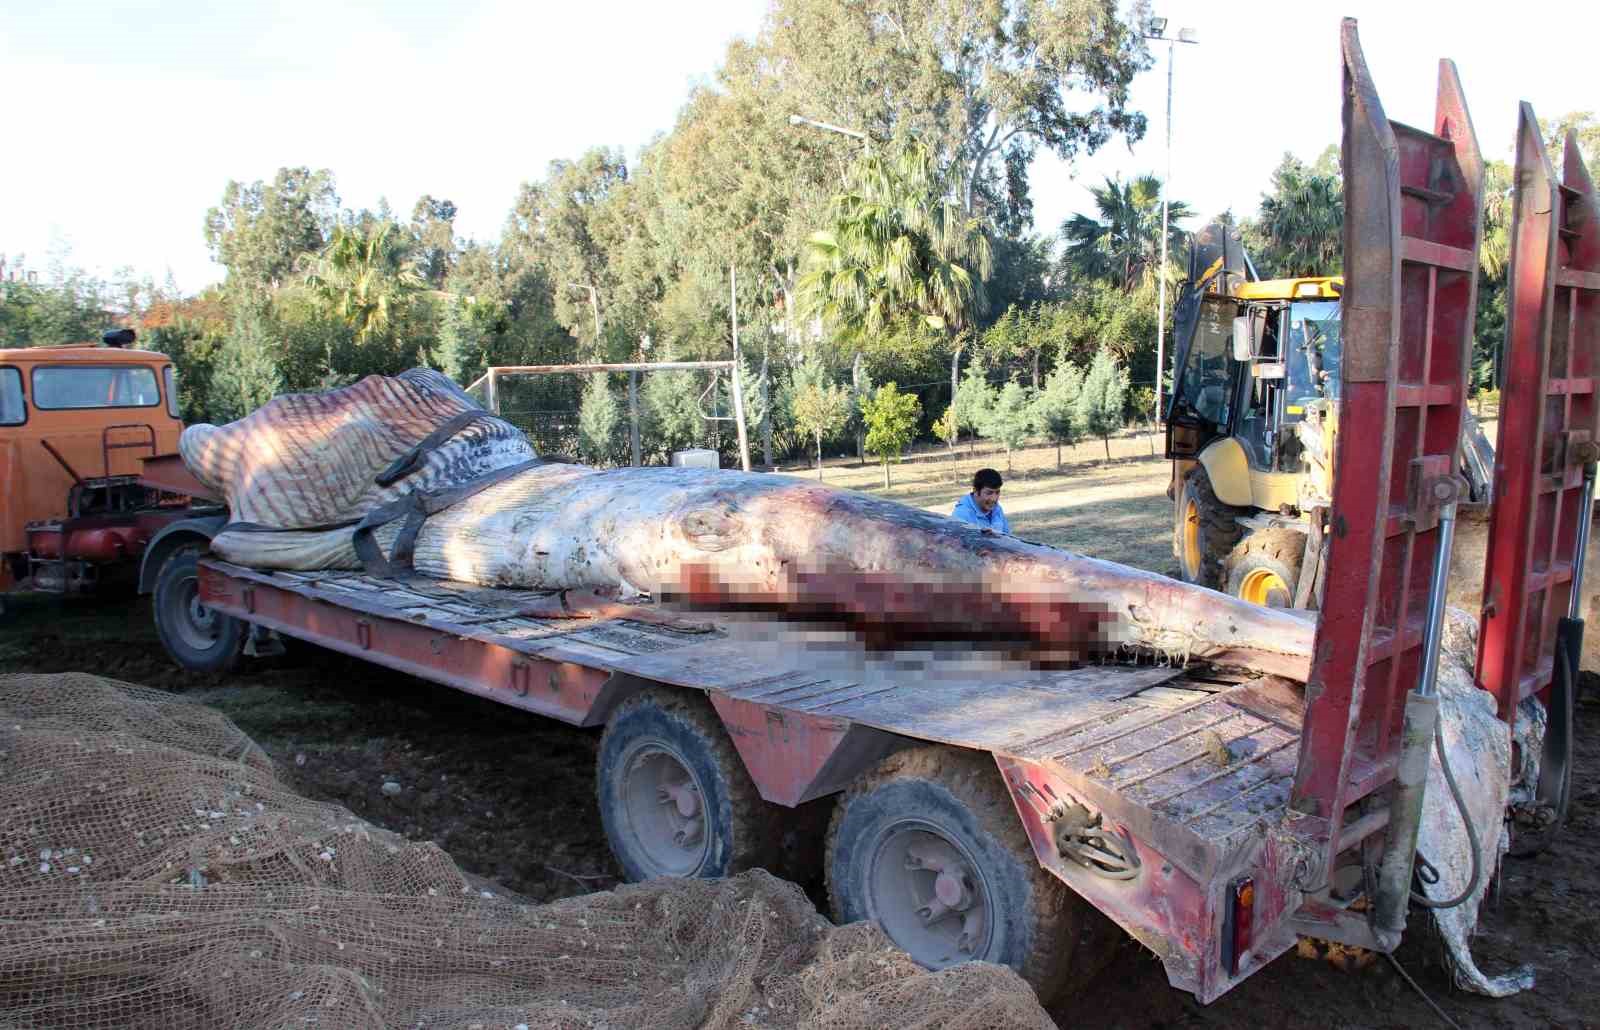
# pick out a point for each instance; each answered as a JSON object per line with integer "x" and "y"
{"x": 126, "y": 118}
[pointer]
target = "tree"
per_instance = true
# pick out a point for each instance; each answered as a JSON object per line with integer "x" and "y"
{"x": 433, "y": 234}
{"x": 671, "y": 416}
{"x": 891, "y": 418}
{"x": 1123, "y": 244}
{"x": 1010, "y": 420}
{"x": 1017, "y": 340}
{"x": 1101, "y": 315}
{"x": 948, "y": 428}
{"x": 1585, "y": 126}
{"x": 1494, "y": 262}
{"x": 973, "y": 398}
{"x": 986, "y": 83}
{"x": 364, "y": 277}
{"x": 1055, "y": 408}
{"x": 1101, "y": 401}
{"x": 260, "y": 231}
{"x": 1301, "y": 221}
{"x": 70, "y": 307}
{"x": 821, "y": 409}
{"x": 564, "y": 225}
{"x": 897, "y": 246}
{"x": 246, "y": 375}
{"x": 599, "y": 422}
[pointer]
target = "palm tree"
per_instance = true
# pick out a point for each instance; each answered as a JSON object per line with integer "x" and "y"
{"x": 898, "y": 244}
{"x": 364, "y": 276}
{"x": 1123, "y": 244}
{"x": 1302, "y": 220}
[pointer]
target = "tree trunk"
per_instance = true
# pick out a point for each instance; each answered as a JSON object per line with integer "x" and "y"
{"x": 855, "y": 389}
{"x": 1036, "y": 353}
{"x": 955, "y": 368}
{"x": 819, "y": 457}
{"x": 766, "y": 401}
{"x": 886, "y": 473}
{"x": 1058, "y": 454}
{"x": 1107, "y": 441}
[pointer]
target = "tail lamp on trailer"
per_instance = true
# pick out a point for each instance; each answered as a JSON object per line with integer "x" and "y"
{"x": 1238, "y": 920}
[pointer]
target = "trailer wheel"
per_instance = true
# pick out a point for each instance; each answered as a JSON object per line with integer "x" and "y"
{"x": 1204, "y": 530}
{"x": 1264, "y": 567}
{"x": 198, "y": 638}
{"x": 675, "y": 798}
{"x": 929, "y": 847}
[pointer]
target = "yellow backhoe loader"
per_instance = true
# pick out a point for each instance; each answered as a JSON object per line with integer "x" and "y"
{"x": 1251, "y": 424}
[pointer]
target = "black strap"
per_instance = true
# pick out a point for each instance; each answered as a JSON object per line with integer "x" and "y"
{"x": 256, "y": 527}
{"x": 415, "y": 508}
{"x": 412, "y": 459}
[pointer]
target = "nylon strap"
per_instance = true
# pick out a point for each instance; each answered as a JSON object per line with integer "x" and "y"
{"x": 415, "y": 508}
{"x": 412, "y": 459}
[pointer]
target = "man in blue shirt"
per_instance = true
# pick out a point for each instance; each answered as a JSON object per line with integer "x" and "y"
{"x": 981, "y": 507}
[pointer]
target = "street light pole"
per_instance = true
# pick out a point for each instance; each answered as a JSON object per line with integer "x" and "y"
{"x": 1158, "y": 29}
{"x": 795, "y": 119}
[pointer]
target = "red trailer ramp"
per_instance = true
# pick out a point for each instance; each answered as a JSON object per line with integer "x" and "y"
{"x": 1531, "y": 633}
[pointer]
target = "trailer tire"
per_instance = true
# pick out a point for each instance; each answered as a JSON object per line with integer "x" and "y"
{"x": 674, "y": 795}
{"x": 1264, "y": 567}
{"x": 1204, "y": 530}
{"x": 198, "y": 638}
{"x": 932, "y": 825}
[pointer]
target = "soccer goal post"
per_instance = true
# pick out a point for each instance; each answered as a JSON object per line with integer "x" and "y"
{"x": 490, "y": 382}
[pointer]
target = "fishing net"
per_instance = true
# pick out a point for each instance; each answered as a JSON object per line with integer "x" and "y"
{"x": 154, "y": 871}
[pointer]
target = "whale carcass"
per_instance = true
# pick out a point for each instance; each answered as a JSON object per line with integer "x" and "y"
{"x": 407, "y": 475}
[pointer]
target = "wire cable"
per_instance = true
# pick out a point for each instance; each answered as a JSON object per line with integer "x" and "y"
{"x": 1472, "y": 835}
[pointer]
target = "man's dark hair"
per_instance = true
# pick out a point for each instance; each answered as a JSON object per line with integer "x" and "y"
{"x": 985, "y": 479}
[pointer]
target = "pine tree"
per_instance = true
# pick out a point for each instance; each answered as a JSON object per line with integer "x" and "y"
{"x": 821, "y": 409}
{"x": 1010, "y": 419}
{"x": 1055, "y": 408}
{"x": 246, "y": 375}
{"x": 891, "y": 418}
{"x": 1105, "y": 393}
{"x": 670, "y": 417}
{"x": 599, "y": 422}
{"x": 973, "y": 400}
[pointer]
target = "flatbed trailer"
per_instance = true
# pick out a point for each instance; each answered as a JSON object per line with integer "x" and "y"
{"x": 1190, "y": 768}
{"x": 1214, "y": 817}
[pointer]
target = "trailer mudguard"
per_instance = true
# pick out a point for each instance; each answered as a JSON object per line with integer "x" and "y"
{"x": 178, "y": 534}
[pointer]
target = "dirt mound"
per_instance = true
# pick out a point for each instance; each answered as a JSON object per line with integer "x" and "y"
{"x": 154, "y": 871}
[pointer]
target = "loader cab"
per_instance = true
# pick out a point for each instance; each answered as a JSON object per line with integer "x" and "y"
{"x": 1258, "y": 363}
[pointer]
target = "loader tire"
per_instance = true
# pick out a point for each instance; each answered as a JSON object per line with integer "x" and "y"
{"x": 1264, "y": 567}
{"x": 1204, "y": 531}
{"x": 936, "y": 813}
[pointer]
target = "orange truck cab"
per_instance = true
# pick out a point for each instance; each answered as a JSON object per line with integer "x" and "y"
{"x": 76, "y": 424}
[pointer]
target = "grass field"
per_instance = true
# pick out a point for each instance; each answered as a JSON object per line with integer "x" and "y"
{"x": 1116, "y": 509}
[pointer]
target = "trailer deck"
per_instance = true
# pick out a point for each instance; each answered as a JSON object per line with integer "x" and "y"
{"x": 1192, "y": 771}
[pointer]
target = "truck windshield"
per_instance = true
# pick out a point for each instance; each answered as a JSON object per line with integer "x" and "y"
{"x": 12, "y": 413}
{"x": 1205, "y": 382}
{"x": 95, "y": 386}
{"x": 1314, "y": 353}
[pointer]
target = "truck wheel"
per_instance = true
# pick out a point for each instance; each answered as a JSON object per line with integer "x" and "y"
{"x": 198, "y": 638}
{"x": 928, "y": 846}
{"x": 1264, "y": 567}
{"x": 674, "y": 795}
{"x": 1205, "y": 531}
